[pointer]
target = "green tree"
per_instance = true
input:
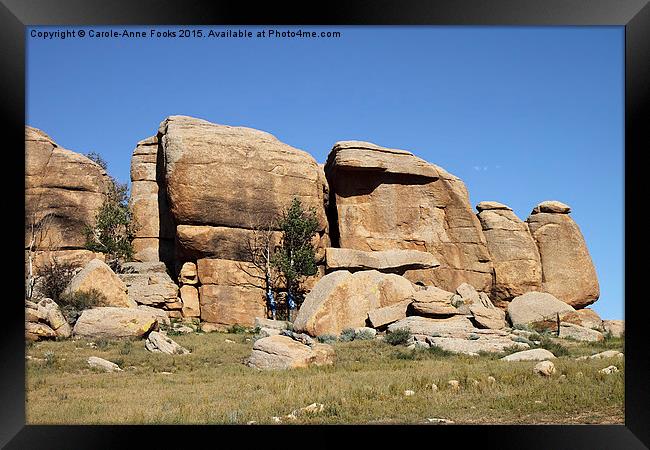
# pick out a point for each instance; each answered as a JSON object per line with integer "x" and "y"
{"x": 114, "y": 227}
{"x": 296, "y": 257}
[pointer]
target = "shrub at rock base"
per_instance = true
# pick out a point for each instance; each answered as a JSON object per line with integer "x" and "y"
{"x": 72, "y": 304}
{"x": 399, "y": 336}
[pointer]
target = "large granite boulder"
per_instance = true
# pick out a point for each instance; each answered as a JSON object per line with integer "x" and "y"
{"x": 96, "y": 275}
{"x": 111, "y": 323}
{"x": 221, "y": 177}
{"x": 535, "y": 307}
{"x": 63, "y": 193}
{"x": 387, "y": 199}
{"x": 514, "y": 254}
{"x": 343, "y": 300}
{"x": 282, "y": 352}
{"x": 397, "y": 261}
{"x": 567, "y": 269}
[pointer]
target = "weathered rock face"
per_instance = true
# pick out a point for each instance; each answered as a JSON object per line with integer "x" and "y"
{"x": 63, "y": 185}
{"x": 343, "y": 300}
{"x": 111, "y": 322}
{"x": 397, "y": 261}
{"x": 154, "y": 238}
{"x": 567, "y": 269}
{"x": 98, "y": 276}
{"x": 517, "y": 267}
{"x": 231, "y": 292}
{"x": 387, "y": 199}
{"x": 247, "y": 178}
{"x": 535, "y": 306}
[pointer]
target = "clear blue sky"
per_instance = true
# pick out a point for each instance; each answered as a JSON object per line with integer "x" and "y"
{"x": 521, "y": 114}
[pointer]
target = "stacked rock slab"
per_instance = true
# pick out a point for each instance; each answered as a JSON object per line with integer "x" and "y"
{"x": 149, "y": 284}
{"x": 568, "y": 272}
{"x": 223, "y": 185}
{"x": 514, "y": 254}
{"x": 154, "y": 236}
{"x": 63, "y": 192}
{"x": 387, "y": 199}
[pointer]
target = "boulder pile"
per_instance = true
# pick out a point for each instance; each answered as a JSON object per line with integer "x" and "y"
{"x": 397, "y": 238}
{"x": 44, "y": 320}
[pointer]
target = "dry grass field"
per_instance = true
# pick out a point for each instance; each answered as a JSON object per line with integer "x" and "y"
{"x": 365, "y": 385}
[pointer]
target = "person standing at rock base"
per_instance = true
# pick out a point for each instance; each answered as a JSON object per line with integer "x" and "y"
{"x": 271, "y": 302}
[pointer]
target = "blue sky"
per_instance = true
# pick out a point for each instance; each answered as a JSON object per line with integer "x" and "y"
{"x": 521, "y": 114}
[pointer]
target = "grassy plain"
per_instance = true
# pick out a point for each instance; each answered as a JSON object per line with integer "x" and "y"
{"x": 365, "y": 386}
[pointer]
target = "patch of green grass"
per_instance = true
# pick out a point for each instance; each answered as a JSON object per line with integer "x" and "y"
{"x": 238, "y": 329}
{"x": 552, "y": 346}
{"x": 365, "y": 385}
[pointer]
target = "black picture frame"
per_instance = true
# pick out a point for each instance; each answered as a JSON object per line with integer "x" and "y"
{"x": 634, "y": 15}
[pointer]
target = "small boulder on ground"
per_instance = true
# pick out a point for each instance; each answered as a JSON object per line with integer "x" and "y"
{"x": 608, "y": 354}
{"x": 536, "y": 354}
{"x": 282, "y": 352}
{"x": 111, "y": 322}
{"x": 608, "y": 370}
{"x": 159, "y": 343}
{"x": 103, "y": 364}
{"x": 544, "y": 368}
{"x": 35, "y": 331}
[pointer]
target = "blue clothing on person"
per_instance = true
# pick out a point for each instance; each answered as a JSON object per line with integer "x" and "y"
{"x": 290, "y": 301}
{"x": 271, "y": 300}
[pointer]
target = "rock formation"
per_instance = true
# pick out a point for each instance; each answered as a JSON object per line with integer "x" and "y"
{"x": 517, "y": 267}
{"x": 387, "y": 199}
{"x": 63, "y": 192}
{"x": 343, "y": 300}
{"x": 568, "y": 272}
{"x": 154, "y": 239}
{"x": 247, "y": 177}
